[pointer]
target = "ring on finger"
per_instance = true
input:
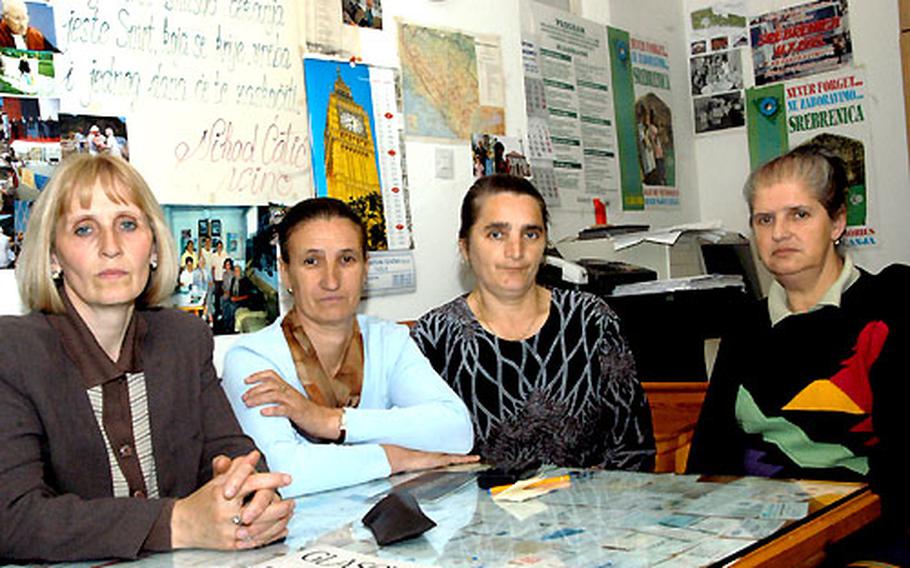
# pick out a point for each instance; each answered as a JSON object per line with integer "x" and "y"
{"x": 237, "y": 520}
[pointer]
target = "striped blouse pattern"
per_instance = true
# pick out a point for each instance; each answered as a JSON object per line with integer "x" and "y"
{"x": 142, "y": 434}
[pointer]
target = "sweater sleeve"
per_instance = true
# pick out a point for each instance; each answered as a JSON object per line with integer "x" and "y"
{"x": 422, "y": 412}
{"x": 38, "y": 522}
{"x": 313, "y": 466}
{"x": 427, "y": 336}
{"x": 718, "y": 444}
{"x": 890, "y": 395}
{"x": 631, "y": 433}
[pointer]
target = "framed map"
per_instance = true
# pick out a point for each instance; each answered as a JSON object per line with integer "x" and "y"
{"x": 452, "y": 83}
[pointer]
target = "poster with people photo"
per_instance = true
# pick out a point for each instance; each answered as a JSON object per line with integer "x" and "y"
{"x": 654, "y": 123}
{"x": 29, "y": 153}
{"x": 27, "y": 38}
{"x": 830, "y": 111}
{"x": 496, "y": 154}
{"x": 362, "y": 13}
{"x": 800, "y": 41}
{"x": 81, "y": 133}
{"x": 228, "y": 266}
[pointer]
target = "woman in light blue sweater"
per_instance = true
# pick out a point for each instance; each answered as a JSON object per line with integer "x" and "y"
{"x": 332, "y": 397}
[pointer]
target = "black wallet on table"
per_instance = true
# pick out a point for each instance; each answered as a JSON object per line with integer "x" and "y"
{"x": 397, "y": 517}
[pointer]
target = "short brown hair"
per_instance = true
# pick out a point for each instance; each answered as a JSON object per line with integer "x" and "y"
{"x": 76, "y": 178}
{"x": 493, "y": 185}
{"x": 324, "y": 208}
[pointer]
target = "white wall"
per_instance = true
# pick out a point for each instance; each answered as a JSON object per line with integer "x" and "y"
{"x": 664, "y": 22}
{"x": 722, "y": 160}
{"x": 435, "y": 203}
{"x": 711, "y": 168}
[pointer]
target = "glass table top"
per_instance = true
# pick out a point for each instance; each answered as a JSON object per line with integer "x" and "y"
{"x": 606, "y": 518}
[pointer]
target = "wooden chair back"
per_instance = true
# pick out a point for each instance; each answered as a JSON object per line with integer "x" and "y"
{"x": 674, "y": 413}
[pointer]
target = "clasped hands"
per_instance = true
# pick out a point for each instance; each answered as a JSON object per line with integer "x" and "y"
{"x": 238, "y": 509}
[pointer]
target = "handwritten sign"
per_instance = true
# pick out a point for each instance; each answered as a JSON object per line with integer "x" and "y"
{"x": 212, "y": 91}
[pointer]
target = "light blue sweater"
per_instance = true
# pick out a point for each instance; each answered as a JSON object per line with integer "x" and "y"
{"x": 403, "y": 402}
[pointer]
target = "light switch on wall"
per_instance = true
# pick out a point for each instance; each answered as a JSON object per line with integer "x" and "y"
{"x": 445, "y": 163}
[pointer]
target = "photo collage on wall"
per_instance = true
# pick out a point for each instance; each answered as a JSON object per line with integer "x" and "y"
{"x": 807, "y": 91}
{"x": 717, "y": 37}
{"x": 30, "y": 136}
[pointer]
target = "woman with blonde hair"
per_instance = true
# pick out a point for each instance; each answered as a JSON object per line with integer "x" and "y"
{"x": 117, "y": 439}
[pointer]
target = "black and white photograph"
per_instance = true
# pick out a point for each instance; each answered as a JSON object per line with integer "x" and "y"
{"x": 716, "y": 73}
{"x": 719, "y": 112}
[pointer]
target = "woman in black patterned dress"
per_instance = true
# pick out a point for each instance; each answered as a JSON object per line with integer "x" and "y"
{"x": 546, "y": 374}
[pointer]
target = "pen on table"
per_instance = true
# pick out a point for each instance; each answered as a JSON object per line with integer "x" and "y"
{"x": 545, "y": 482}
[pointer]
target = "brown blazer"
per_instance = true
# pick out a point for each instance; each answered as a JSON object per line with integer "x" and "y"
{"x": 55, "y": 481}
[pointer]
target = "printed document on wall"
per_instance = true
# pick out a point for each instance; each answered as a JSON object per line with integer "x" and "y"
{"x": 566, "y": 66}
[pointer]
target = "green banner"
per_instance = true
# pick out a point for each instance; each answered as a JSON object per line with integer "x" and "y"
{"x": 856, "y": 205}
{"x": 624, "y": 105}
{"x": 766, "y": 122}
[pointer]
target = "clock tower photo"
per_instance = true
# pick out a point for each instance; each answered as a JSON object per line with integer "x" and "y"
{"x": 350, "y": 162}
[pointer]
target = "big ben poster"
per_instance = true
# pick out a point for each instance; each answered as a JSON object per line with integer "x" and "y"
{"x": 355, "y": 134}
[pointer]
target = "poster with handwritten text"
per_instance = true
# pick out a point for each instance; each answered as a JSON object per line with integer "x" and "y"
{"x": 212, "y": 90}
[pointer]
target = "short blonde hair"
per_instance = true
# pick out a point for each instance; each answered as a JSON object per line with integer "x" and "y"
{"x": 76, "y": 178}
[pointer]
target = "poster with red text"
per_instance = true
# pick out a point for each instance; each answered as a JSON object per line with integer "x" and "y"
{"x": 830, "y": 111}
{"x": 800, "y": 41}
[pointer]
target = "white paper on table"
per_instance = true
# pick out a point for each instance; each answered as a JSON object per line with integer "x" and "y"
{"x": 521, "y": 510}
{"x": 322, "y": 556}
{"x": 667, "y": 236}
{"x": 711, "y": 550}
{"x": 628, "y": 540}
